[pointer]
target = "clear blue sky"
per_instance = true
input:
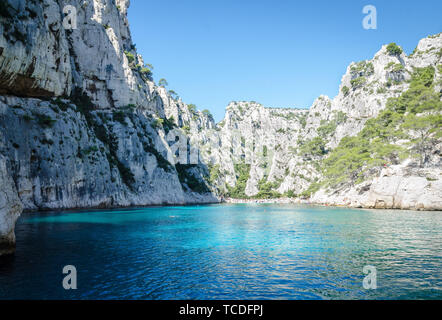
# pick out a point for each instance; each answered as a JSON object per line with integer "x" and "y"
{"x": 281, "y": 53}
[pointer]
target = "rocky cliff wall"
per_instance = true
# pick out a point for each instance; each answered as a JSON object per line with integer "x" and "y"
{"x": 84, "y": 125}
{"x": 10, "y": 209}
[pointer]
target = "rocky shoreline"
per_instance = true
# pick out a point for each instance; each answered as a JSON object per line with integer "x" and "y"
{"x": 266, "y": 201}
{"x": 309, "y": 203}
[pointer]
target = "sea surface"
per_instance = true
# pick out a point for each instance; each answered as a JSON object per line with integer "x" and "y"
{"x": 226, "y": 252}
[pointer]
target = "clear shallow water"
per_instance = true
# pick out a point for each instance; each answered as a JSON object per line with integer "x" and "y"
{"x": 226, "y": 252}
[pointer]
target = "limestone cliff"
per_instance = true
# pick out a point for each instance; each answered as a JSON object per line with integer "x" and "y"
{"x": 89, "y": 117}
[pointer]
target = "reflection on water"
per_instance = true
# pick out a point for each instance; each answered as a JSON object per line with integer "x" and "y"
{"x": 226, "y": 252}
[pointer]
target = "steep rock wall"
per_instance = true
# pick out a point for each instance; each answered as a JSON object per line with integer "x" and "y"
{"x": 82, "y": 122}
{"x": 10, "y": 209}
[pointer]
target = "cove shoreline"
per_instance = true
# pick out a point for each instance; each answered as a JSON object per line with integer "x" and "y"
{"x": 293, "y": 201}
{"x": 312, "y": 203}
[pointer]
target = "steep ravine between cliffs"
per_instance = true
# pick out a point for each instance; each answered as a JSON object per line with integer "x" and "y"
{"x": 84, "y": 125}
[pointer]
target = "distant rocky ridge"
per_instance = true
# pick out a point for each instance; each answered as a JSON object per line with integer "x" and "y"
{"x": 82, "y": 122}
{"x": 84, "y": 125}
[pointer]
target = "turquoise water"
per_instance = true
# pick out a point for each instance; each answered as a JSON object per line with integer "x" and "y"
{"x": 226, "y": 252}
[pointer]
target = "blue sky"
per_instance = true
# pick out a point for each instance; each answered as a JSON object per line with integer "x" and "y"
{"x": 281, "y": 53}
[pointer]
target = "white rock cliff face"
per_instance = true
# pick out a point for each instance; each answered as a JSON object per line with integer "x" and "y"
{"x": 80, "y": 116}
{"x": 42, "y": 58}
{"x": 10, "y": 209}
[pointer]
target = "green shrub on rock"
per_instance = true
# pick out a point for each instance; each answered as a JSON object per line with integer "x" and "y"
{"x": 393, "y": 49}
{"x": 417, "y": 110}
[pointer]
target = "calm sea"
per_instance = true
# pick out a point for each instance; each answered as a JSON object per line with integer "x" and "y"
{"x": 226, "y": 252}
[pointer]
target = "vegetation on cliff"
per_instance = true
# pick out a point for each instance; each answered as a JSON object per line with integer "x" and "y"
{"x": 414, "y": 117}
